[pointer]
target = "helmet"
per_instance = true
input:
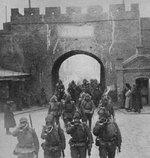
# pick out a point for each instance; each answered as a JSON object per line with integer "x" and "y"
{"x": 87, "y": 97}
{"x": 83, "y": 95}
{"x": 49, "y": 118}
{"x": 77, "y": 115}
{"x": 103, "y": 113}
{"x": 68, "y": 98}
{"x": 23, "y": 119}
{"x": 104, "y": 101}
{"x": 53, "y": 98}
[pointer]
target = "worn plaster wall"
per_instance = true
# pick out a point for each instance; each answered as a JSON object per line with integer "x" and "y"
{"x": 115, "y": 34}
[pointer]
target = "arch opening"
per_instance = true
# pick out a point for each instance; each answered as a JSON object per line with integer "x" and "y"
{"x": 144, "y": 85}
{"x": 62, "y": 58}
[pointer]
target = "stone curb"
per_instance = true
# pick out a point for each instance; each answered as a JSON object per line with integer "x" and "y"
{"x": 29, "y": 110}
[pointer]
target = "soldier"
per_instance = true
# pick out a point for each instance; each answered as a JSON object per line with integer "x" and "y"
{"x": 60, "y": 90}
{"x": 88, "y": 109}
{"x": 81, "y": 140}
{"x": 86, "y": 87}
{"x": 28, "y": 144}
{"x": 108, "y": 136}
{"x": 68, "y": 109}
{"x": 73, "y": 90}
{"x": 96, "y": 95}
{"x": 79, "y": 105}
{"x": 105, "y": 103}
{"x": 55, "y": 108}
{"x": 54, "y": 137}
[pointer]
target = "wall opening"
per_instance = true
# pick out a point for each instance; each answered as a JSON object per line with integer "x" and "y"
{"x": 61, "y": 59}
{"x": 143, "y": 83}
{"x": 78, "y": 68}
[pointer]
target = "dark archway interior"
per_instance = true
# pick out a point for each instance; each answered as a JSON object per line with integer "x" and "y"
{"x": 61, "y": 59}
{"x": 143, "y": 83}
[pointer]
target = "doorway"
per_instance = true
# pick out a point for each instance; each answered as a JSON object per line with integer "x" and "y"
{"x": 144, "y": 85}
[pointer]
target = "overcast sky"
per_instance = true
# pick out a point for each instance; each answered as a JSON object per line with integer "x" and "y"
{"x": 144, "y": 5}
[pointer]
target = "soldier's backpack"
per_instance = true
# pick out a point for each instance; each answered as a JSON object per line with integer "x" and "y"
{"x": 56, "y": 139}
{"x": 110, "y": 134}
{"x": 111, "y": 130}
{"x": 69, "y": 106}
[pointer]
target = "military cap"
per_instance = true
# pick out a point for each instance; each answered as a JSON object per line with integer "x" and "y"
{"x": 49, "y": 118}
{"x": 23, "y": 119}
{"x": 77, "y": 115}
{"x": 53, "y": 98}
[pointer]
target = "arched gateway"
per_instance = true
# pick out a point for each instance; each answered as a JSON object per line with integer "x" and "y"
{"x": 62, "y": 58}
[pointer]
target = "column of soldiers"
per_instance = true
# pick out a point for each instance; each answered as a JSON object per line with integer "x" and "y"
{"x": 76, "y": 108}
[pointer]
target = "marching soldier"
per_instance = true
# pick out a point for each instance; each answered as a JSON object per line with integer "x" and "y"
{"x": 108, "y": 135}
{"x": 88, "y": 109}
{"x": 108, "y": 106}
{"x": 79, "y": 105}
{"x": 68, "y": 109}
{"x": 60, "y": 90}
{"x": 81, "y": 140}
{"x": 54, "y": 137}
{"x": 55, "y": 108}
{"x": 28, "y": 144}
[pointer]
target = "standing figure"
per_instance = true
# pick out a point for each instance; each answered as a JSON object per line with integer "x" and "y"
{"x": 86, "y": 86}
{"x": 28, "y": 144}
{"x": 96, "y": 92}
{"x": 79, "y": 105}
{"x": 43, "y": 97}
{"x": 73, "y": 90}
{"x": 9, "y": 121}
{"x": 128, "y": 97}
{"x": 60, "y": 90}
{"x": 54, "y": 137}
{"x": 88, "y": 109}
{"x": 68, "y": 109}
{"x": 81, "y": 138}
{"x": 108, "y": 135}
{"x": 55, "y": 108}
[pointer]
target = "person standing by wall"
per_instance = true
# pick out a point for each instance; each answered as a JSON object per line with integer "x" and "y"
{"x": 9, "y": 120}
{"x": 128, "y": 96}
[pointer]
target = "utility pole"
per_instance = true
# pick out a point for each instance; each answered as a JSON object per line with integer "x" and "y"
{"x": 6, "y": 13}
{"x": 123, "y": 2}
{"x": 29, "y": 3}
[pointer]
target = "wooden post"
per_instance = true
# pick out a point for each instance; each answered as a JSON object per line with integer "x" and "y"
{"x": 6, "y": 13}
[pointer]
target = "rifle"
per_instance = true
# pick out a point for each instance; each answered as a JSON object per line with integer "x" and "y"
{"x": 89, "y": 152}
{"x": 63, "y": 153}
{"x": 30, "y": 121}
{"x": 36, "y": 155}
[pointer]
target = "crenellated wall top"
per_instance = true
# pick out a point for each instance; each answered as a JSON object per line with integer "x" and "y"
{"x": 54, "y": 14}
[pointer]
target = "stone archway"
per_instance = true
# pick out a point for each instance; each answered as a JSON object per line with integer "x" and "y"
{"x": 62, "y": 58}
